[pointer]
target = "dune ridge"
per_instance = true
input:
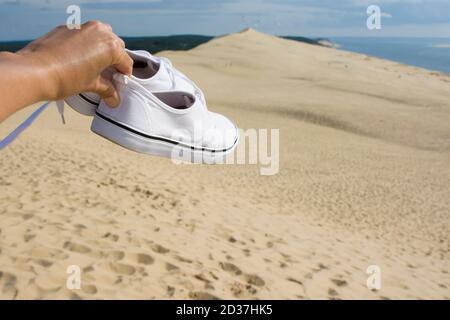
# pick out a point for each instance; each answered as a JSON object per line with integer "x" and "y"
{"x": 364, "y": 180}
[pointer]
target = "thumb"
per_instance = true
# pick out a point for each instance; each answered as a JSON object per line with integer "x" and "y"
{"x": 106, "y": 89}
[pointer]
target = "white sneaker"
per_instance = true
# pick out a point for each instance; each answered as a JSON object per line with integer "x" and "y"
{"x": 174, "y": 124}
{"x": 151, "y": 72}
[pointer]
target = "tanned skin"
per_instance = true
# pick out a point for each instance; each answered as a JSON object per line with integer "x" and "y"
{"x": 62, "y": 63}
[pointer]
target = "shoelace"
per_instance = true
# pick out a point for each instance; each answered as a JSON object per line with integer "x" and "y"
{"x": 173, "y": 72}
{"x": 28, "y": 121}
{"x": 60, "y": 106}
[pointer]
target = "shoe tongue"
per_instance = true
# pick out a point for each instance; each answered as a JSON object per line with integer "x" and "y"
{"x": 149, "y": 72}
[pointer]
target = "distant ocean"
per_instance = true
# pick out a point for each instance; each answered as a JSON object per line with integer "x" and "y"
{"x": 428, "y": 53}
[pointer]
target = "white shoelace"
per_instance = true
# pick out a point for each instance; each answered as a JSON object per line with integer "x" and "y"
{"x": 60, "y": 106}
{"x": 173, "y": 72}
{"x": 28, "y": 121}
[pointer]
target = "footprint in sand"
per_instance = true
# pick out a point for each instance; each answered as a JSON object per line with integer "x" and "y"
{"x": 159, "y": 249}
{"x": 339, "y": 282}
{"x": 47, "y": 253}
{"x": 300, "y": 283}
{"x": 122, "y": 268}
{"x": 27, "y": 216}
{"x": 255, "y": 280}
{"x": 295, "y": 281}
{"x": 213, "y": 276}
{"x": 7, "y": 285}
{"x": 116, "y": 255}
{"x": 232, "y": 239}
{"x": 143, "y": 258}
{"x": 231, "y": 268}
{"x": 320, "y": 267}
{"x": 88, "y": 269}
{"x": 182, "y": 259}
{"x": 239, "y": 289}
{"x": 332, "y": 293}
{"x": 28, "y": 237}
{"x": 199, "y": 295}
{"x": 89, "y": 289}
{"x": 170, "y": 291}
{"x": 75, "y": 247}
{"x": 44, "y": 263}
{"x": 110, "y": 236}
{"x": 171, "y": 267}
{"x": 206, "y": 281}
{"x": 74, "y": 296}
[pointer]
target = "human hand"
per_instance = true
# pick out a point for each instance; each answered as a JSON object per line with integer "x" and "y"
{"x": 74, "y": 61}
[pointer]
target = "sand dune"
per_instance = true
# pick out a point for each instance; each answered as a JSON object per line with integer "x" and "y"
{"x": 364, "y": 179}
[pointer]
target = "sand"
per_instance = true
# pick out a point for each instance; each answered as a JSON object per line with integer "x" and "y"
{"x": 364, "y": 179}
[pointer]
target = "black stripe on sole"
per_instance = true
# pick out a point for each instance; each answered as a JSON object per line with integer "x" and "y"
{"x": 82, "y": 96}
{"x": 161, "y": 138}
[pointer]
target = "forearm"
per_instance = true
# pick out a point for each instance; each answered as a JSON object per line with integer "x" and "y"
{"x": 62, "y": 63}
{"x": 23, "y": 81}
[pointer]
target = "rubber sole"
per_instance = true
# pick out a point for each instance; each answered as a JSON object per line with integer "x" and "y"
{"x": 82, "y": 104}
{"x": 157, "y": 146}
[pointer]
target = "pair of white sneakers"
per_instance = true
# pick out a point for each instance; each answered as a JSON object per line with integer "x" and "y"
{"x": 162, "y": 112}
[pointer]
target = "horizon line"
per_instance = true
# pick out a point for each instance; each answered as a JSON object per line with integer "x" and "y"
{"x": 282, "y": 36}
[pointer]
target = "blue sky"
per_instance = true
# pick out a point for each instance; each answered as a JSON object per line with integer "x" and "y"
{"x": 27, "y": 19}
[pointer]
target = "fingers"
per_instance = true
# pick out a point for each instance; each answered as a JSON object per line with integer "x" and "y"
{"x": 115, "y": 56}
{"x": 95, "y": 24}
{"x": 121, "y": 60}
{"x": 105, "y": 88}
{"x": 115, "y": 47}
{"x": 124, "y": 64}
